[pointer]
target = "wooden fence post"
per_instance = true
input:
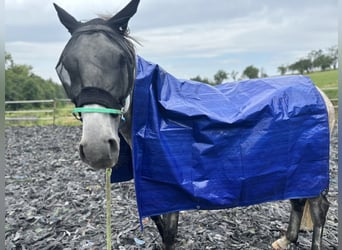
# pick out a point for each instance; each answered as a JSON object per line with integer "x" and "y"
{"x": 54, "y": 111}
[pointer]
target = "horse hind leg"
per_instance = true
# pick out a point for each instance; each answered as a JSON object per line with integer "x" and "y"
{"x": 297, "y": 208}
{"x": 167, "y": 226}
{"x": 319, "y": 208}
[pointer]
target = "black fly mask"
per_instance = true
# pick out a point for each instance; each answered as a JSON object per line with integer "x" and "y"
{"x": 97, "y": 66}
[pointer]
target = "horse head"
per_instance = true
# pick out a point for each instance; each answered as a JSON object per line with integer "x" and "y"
{"x": 97, "y": 70}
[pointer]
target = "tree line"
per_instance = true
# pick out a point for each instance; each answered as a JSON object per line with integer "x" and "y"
{"x": 316, "y": 60}
{"x": 22, "y": 84}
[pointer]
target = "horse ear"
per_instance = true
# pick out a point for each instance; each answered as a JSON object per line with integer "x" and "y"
{"x": 66, "y": 19}
{"x": 120, "y": 20}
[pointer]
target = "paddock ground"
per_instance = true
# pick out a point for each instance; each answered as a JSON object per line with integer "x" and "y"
{"x": 54, "y": 201}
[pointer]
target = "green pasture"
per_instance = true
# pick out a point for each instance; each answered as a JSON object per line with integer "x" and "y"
{"x": 327, "y": 81}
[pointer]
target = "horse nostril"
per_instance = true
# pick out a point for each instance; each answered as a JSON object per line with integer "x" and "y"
{"x": 82, "y": 155}
{"x": 112, "y": 145}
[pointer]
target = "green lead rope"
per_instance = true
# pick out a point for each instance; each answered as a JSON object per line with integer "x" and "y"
{"x": 108, "y": 210}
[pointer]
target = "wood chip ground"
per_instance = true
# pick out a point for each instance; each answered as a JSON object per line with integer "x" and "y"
{"x": 54, "y": 201}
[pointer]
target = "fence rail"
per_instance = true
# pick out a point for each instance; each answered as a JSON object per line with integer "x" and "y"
{"x": 51, "y": 113}
{"x": 55, "y": 112}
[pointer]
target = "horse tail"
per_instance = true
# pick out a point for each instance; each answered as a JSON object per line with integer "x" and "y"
{"x": 330, "y": 110}
{"x": 306, "y": 223}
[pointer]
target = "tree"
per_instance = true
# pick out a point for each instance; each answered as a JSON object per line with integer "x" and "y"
{"x": 314, "y": 54}
{"x": 251, "y": 72}
{"x": 16, "y": 77}
{"x": 234, "y": 75}
{"x": 23, "y": 84}
{"x": 303, "y": 65}
{"x": 282, "y": 70}
{"x": 333, "y": 53}
{"x": 323, "y": 62}
{"x": 220, "y": 76}
{"x": 200, "y": 79}
{"x": 8, "y": 60}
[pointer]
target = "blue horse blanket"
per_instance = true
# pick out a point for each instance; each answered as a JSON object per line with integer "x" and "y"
{"x": 197, "y": 146}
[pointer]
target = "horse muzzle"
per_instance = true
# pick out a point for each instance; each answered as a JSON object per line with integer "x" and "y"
{"x": 100, "y": 155}
{"x": 100, "y": 143}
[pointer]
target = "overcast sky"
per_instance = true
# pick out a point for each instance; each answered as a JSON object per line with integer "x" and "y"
{"x": 186, "y": 37}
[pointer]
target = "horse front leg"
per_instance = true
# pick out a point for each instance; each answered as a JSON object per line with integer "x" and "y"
{"x": 319, "y": 208}
{"x": 167, "y": 225}
{"x": 297, "y": 208}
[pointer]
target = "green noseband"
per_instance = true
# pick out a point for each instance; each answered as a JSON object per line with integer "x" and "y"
{"x": 97, "y": 110}
{"x": 76, "y": 111}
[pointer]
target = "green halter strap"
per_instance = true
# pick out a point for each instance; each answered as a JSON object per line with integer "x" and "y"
{"x": 121, "y": 111}
{"x": 98, "y": 110}
{"x": 76, "y": 111}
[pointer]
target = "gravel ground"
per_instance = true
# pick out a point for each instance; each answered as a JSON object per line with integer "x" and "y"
{"x": 54, "y": 201}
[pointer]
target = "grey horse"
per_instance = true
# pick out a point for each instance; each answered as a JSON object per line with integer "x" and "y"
{"x": 97, "y": 69}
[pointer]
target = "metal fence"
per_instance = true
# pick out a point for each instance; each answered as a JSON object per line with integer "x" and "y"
{"x": 54, "y": 112}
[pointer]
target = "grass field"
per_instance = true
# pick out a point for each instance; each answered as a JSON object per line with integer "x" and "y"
{"x": 326, "y": 79}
